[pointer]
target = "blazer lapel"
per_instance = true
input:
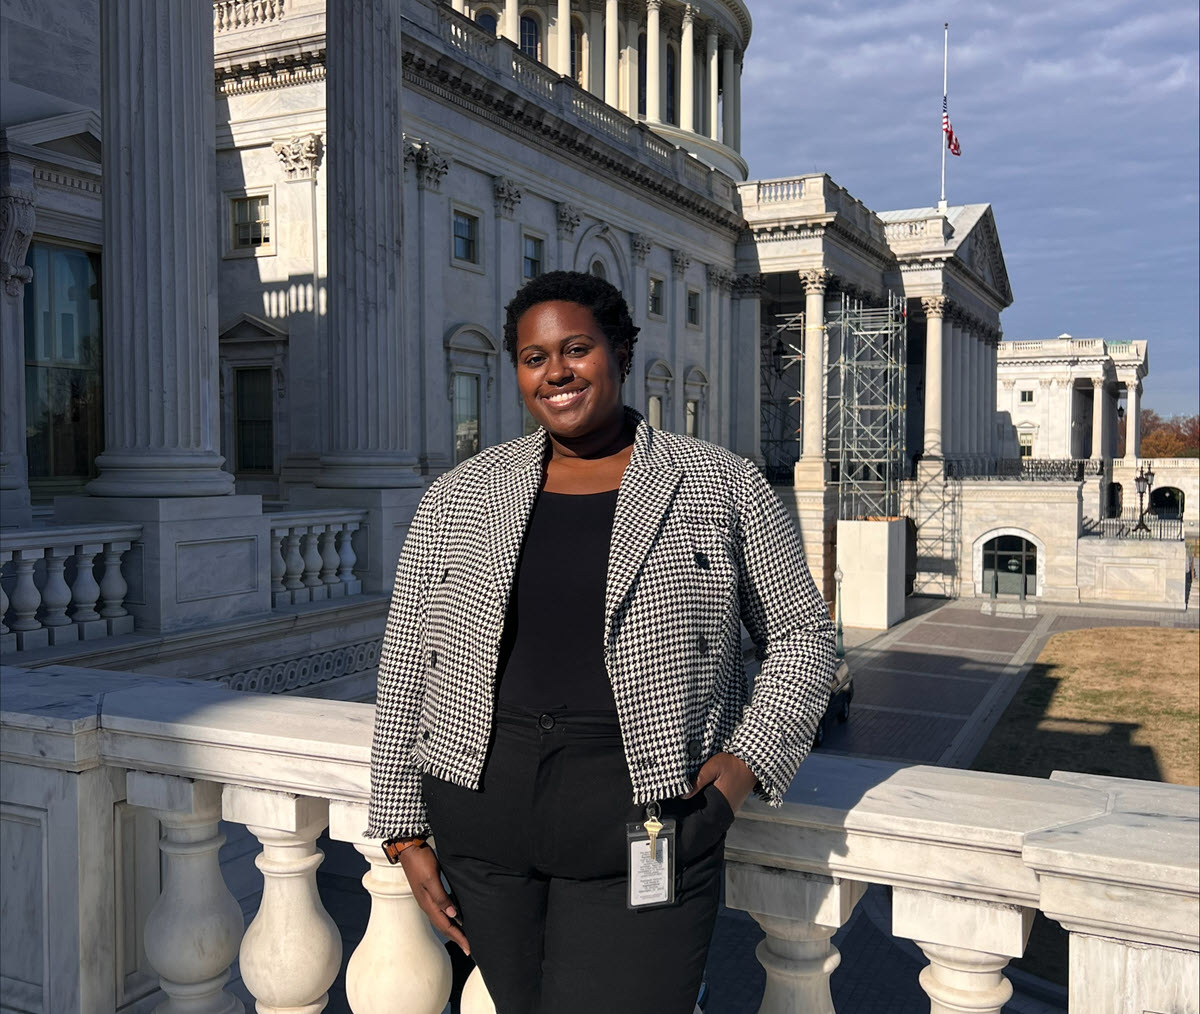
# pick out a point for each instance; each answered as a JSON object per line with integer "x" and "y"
{"x": 512, "y": 489}
{"x": 647, "y": 491}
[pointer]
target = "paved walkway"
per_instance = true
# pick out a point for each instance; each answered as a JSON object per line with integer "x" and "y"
{"x": 927, "y": 691}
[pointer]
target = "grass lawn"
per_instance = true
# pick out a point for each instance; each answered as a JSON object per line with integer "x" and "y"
{"x": 1121, "y": 701}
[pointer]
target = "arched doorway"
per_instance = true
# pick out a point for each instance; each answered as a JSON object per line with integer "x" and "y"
{"x": 1115, "y": 499}
{"x": 1009, "y": 566}
{"x": 1166, "y": 502}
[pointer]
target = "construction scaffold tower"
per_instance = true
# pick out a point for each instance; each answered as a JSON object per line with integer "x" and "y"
{"x": 865, "y": 405}
{"x": 780, "y": 363}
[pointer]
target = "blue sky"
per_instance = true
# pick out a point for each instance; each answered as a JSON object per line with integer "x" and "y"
{"x": 1078, "y": 123}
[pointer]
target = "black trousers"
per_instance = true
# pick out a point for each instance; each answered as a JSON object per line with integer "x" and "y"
{"x": 536, "y": 861}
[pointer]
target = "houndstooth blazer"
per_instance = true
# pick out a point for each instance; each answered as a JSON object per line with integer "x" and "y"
{"x": 700, "y": 545}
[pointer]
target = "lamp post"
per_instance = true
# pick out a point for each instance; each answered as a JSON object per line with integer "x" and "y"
{"x": 839, "y": 646}
{"x": 1144, "y": 481}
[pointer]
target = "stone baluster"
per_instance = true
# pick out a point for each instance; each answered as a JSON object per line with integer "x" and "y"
{"x": 292, "y": 949}
{"x": 311, "y": 578}
{"x": 347, "y": 560}
{"x": 968, "y": 943}
{"x": 192, "y": 933}
{"x": 56, "y": 596}
{"x": 85, "y": 593}
{"x": 113, "y": 589}
{"x": 5, "y": 557}
{"x": 399, "y": 965}
{"x": 800, "y": 913}
{"x": 25, "y": 601}
{"x": 293, "y": 565}
{"x": 279, "y": 593}
{"x": 330, "y": 561}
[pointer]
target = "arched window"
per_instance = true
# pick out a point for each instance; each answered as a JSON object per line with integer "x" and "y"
{"x": 1166, "y": 502}
{"x": 486, "y": 19}
{"x": 531, "y": 37}
{"x": 672, "y": 85}
{"x": 641, "y": 105}
{"x": 1009, "y": 566}
{"x": 577, "y": 52}
{"x": 598, "y": 269}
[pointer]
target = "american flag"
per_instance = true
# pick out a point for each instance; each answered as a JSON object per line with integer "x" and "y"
{"x": 951, "y": 137}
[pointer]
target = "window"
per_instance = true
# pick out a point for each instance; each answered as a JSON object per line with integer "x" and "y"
{"x": 691, "y": 417}
{"x": 466, "y": 237}
{"x": 693, "y": 307}
{"x": 250, "y": 230}
{"x": 466, "y": 416}
{"x": 655, "y": 306}
{"x": 534, "y": 257}
{"x": 1026, "y": 397}
{"x": 598, "y": 269}
{"x": 1025, "y": 441}
{"x": 253, "y": 420}
{"x": 64, "y": 428}
{"x": 577, "y": 53}
{"x": 531, "y": 37}
{"x": 654, "y": 411}
{"x": 487, "y": 20}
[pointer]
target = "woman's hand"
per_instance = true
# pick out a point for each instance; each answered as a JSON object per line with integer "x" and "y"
{"x": 425, "y": 878}
{"x": 732, "y": 777}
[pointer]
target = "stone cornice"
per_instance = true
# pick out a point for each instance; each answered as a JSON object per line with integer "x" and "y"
{"x": 266, "y": 68}
{"x": 832, "y": 225}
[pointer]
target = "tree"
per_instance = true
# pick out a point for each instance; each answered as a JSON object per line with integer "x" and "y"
{"x": 1176, "y": 437}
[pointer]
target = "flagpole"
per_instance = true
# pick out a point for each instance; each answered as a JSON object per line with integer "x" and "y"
{"x": 945, "y": 94}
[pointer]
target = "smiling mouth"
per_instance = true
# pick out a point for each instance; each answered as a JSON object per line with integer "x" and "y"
{"x": 563, "y": 398}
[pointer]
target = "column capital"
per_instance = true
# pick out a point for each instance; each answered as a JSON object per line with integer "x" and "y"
{"x": 299, "y": 156}
{"x": 935, "y": 306}
{"x": 431, "y": 165}
{"x": 507, "y": 194}
{"x": 680, "y": 262}
{"x": 690, "y": 14}
{"x": 640, "y": 244}
{"x": 654, "y": 5}
{"x": 567, "y": 218}
{"x": 18, "y": 212}
{"x": 1098, "y": 383}
{"x": 748, "y": 286}
{"x": 816, "y": 280}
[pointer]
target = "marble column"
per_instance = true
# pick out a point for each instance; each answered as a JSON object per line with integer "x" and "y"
{"x": 595, "y": 50}
{"x": 612, "y": 63}
{"x": 160, "y": 285}
{"x": 812, "y": 447}
{"x": 974, "y": 393}
{"x": 632, "y": 30}
{"x": 1098, "y": 405}
{"x": 562, "y": 29}
{"x": 510, "y": 22}
{"x": 18, "y": 201}
{"x": 1133, "y": 420}
{"x": 653, "y": 61}
{"x": 935, "y": 309}
{"x": 728, "y": 105}
{"x": 365, "y": 434}
{"x": 736, "y": 144}
{"x": 711, "y": 39}
{"x": 687, "y": 71}
{"x": 460, "y": 6}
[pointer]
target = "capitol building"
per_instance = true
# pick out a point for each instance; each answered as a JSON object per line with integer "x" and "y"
{"x": 255, "y": 256}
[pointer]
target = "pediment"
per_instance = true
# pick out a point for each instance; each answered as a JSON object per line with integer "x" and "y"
{"x": 74, "y": 135}
{"x": 248, "y": 328}
{"x": 980, "y": 250}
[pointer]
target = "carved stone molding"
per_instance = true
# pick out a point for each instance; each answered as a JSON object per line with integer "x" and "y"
{"x": 1008, "y": 384}
{"x": 430, "y": 164}
{"x": 507, "y": 194}
{"x": 567, "y": 218}
{"x": 748, "y": 286}
{"x": 18, "y": 212}
{"x": 299, "y": 156}
{"x": 816, "y": 280}
{"x": 935, "y": 306}
{"x": 680, "y": 262}
{"x": 304, "y": 670}
{"x": 641, "y": 244}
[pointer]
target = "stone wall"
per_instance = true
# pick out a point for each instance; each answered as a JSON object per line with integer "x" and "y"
{"x": 1142, "y": 572}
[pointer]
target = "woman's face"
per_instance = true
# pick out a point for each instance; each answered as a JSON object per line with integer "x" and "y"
{"x": 567, "y": 371}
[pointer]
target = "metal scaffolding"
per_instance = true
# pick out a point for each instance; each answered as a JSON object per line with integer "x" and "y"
{"x": 865, "y": 405}
{"x": 780, "y": 363}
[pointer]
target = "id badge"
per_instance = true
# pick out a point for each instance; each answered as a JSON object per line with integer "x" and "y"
{"x": 651, "y": 859}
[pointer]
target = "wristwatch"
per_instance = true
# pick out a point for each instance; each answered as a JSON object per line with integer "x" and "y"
{"x": 394, "y": 846}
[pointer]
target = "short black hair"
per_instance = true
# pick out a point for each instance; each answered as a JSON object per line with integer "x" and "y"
{"x": 601, "y": 297}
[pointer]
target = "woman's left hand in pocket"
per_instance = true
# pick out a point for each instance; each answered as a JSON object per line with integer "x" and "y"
{"x": 730, "y": 774}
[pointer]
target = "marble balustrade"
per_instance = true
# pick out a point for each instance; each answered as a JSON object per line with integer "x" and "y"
{"x": 63, "y": 584}
{"x": 313, "y": 556}
{"x": 969, "y": 856}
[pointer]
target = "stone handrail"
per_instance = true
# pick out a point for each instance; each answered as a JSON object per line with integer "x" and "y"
{"x": 970, "y": 856}
{"x": 313, "y": 557}
{"x": 230, "y": 15}
{"x": 1072, "y": 346}
{"x": 775, "y": 191}
{"x": 66, "y": 583}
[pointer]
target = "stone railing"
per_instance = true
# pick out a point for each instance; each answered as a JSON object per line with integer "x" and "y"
{"x": 906, "y": 230}
{"x": 313, "y": 558}
{"x": 776, "y": 191}
{"x": 532, "y": 76}
{"x": 230, "y": 15}
{"x": 1027, "y": 469}
{"x": 969, "y": 856}
{"x": 1058, "y": 347}
{"x": 63, "y": 584}
{"x": 602, "y": 116}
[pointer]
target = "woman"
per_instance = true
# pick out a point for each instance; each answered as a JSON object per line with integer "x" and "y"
{"x": 562, "y": 672}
